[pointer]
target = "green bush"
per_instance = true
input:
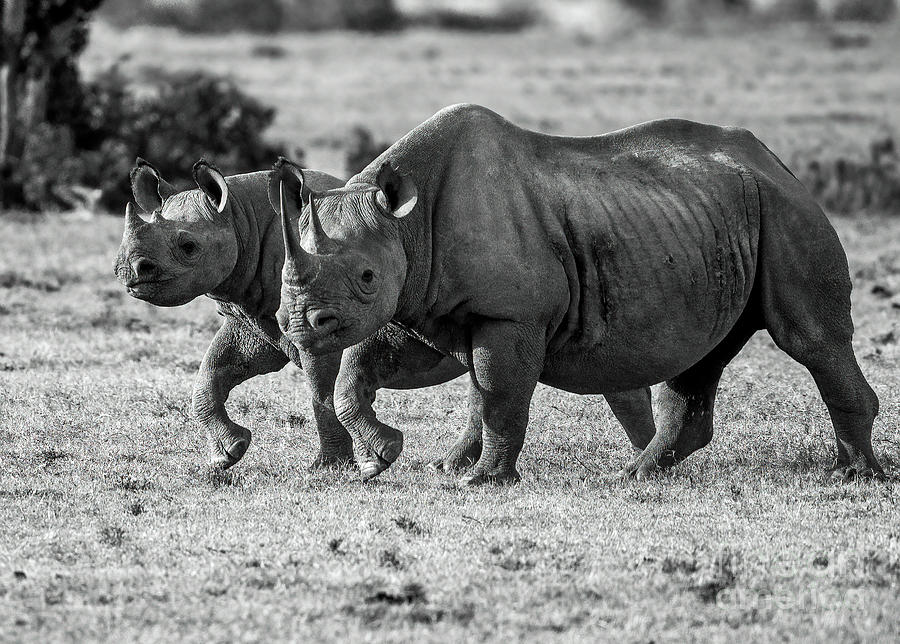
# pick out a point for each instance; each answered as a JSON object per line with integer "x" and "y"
{"x": 199, "y": 16}
{"x": 185, "y": 116}
{"x": 361, "y": 149}
{"x": 265, "y": 16}
{"x": 864, "y": 10}
{"x": 850, "y": 184}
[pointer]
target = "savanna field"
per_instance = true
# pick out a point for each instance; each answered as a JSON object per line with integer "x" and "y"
{"x": 113, "y": 529}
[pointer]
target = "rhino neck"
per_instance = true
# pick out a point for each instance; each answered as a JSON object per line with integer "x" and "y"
{"x": 255, "y": 282}
{"x": 426, "y": 154}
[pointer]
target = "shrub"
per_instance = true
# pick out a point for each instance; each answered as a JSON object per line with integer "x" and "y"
{"x": 184, "y": 116}
{"x": 361, "y": 149}
{"x": 370, "y": 15}
{"x": 864, "y": 10}
{"x": 198, "y": 16}
{"x": 848, "y": 185}
{"x": 266, "y": 16}
{"x": 651, "y": 10}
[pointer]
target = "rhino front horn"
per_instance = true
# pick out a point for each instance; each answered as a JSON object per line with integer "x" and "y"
{"x": 294, "y": 256}
{"x": 132, "y": 219}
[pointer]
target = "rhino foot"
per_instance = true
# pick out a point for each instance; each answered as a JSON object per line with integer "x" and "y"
{"x": 372, "y": 467}
{"x": 336, "y": 461}
{"x": 650, "y": 462}
{"x": 495, "y": 477}
{"x": 638, "y": 471}
{"x": 457, "y": 461}
{"x": 373, "y": 463}
{"x": 642, "y": 469}
{"x": 230, "y": 449}
{"x": 847, "y": 473}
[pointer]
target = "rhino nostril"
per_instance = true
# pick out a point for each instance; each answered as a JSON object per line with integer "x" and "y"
{"x": 143, "y": 267}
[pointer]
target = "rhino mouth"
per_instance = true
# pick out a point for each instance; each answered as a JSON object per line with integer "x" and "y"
{"x": 136, "y": 284}
{"x": 149, "y": 290}
{"x": 319, "y": 344}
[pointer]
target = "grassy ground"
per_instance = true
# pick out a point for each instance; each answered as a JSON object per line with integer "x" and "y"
{"x": 112, "y": 529}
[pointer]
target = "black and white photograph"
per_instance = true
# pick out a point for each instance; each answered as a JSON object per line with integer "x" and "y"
{"x": 449, "y": 321}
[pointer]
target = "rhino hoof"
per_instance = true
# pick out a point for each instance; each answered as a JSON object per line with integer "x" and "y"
{"x": 332, "y": 462}
{"x": 371, "y": 468}
{"x": 447, "y": 465}
{"x": 847, "y": 473}
{"x": 501, "y": 477}
{"x": 391, "y": 450}
{"x": 638, "y": 471}
{"x": 224, "y": 457}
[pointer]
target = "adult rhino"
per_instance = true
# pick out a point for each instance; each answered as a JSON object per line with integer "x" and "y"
{"x": 223, "y": 240}
{"x": 594, "y": 264}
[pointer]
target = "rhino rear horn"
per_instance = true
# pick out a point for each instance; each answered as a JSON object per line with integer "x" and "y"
{"x": 212, "y": 183}
{"x": 320, "y": 240}
{"x": 150, "y": 190}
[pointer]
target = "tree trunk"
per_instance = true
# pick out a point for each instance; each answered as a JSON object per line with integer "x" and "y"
{"x": 10, "y": 46}
{"x": 34, "y": 101}
{"x": 7, "y": 110}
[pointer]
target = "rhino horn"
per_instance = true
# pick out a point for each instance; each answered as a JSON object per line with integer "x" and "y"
{"x": 319, "y": 238}
{"x": 132, "y": 219}
{"x": 294, "y": 256}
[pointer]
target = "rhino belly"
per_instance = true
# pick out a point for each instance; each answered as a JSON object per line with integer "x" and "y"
{"x": 675, "y": 267}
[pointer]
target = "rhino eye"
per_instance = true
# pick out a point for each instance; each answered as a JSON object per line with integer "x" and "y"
{"x": 188, "y": 247}
{"x": 368, "y": 276}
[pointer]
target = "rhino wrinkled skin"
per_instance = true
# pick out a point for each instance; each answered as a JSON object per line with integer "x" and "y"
{"x": 592, "y": 264}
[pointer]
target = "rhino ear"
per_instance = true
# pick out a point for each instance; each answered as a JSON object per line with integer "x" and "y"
{"x": 397, "y": 194}
{"x": 287, "y": 173}
{"x": 212, "y": 183}
{"x": 148, "y": 186}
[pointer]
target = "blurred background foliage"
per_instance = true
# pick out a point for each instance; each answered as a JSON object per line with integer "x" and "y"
{"x": 69, "y": 142}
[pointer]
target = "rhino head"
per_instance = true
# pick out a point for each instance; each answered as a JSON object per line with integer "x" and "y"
{"x": 186, "y": 247}
{"x": 342, "y": 277}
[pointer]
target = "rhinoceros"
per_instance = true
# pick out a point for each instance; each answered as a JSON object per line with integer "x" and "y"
{"x": 224, "y": 240}
{"x": 592, "y": 264}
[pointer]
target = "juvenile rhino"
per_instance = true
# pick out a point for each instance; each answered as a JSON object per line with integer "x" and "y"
{"x": 594, "y": 264}
{"x": 224, "y": 240}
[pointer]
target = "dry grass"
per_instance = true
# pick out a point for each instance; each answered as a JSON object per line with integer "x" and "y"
{"x": 113, "y": 530}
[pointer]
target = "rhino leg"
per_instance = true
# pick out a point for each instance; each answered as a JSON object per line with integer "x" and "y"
{"x": 335, "y": 443}
{"x": 853, "y": 406}
{"x": 634, "y": 411}
{"x": 466, "y": 451}
{"x": 684, "y": 406}
{"x": 362, "y": 372}
{"x": 235, "y": 355}
{"x": 806, "y": 306}
{"x": 851, "y": 402}
{"x": 507, "y": 360}
{"x": 399, "y": 361}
